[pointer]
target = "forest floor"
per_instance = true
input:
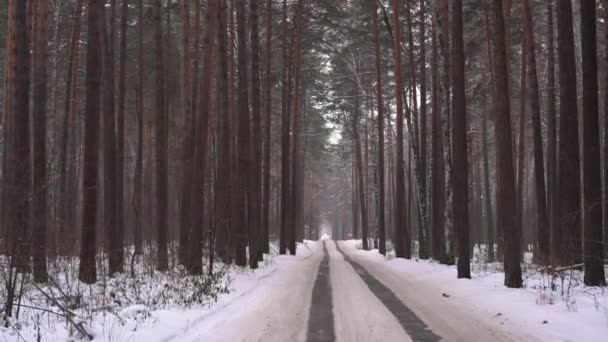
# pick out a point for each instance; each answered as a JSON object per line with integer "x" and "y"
{"x": 336, "y": 291}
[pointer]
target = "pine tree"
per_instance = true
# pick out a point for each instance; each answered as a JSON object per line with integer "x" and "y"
{"x": 460, "y": 201}
{"x": 505, "y": 180}
{"x": 592, "y": 210}
{"x": 88, "y": 270}
{"x": 568, "y": 230}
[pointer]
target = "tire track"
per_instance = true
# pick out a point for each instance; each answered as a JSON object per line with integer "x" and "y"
{"x": 413, "y": 326}
{"x": 321, "y": 319}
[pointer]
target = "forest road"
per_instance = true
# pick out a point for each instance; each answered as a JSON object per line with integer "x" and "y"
{"x": 339, "y": 294}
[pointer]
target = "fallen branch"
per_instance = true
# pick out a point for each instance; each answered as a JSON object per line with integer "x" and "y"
{"x": 69, "y": 315}
{"x": 579, "y": 267}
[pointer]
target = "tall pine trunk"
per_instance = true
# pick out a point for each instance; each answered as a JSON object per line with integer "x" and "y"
{"x": 67, "y": 183}
{"x": 552, "y": 140}
{"x": 505, "y": 180}
{"x": 437, "y": 161}
{"x": 402, "y": 235}
{"x": 254, "y": 202}
{"x": 267, "y": 111}
{"x": 241, "y": 182}
{"x": 539, "y": 166}
{"x": 592, "y": 210}
{"x": 39, "y": 205}
{"x": 138, "y": 178}
{"x": 162, "y": 164}
{"x": 201, "y": 145}
{"x": 460, "y": 203}
{"x": 186, "y": 92}
{"x": 224, "y": 146}
{"x": 380, "y": 127}
{"x": 568, "y": 230}
{"x": 87, "y": 269}
{"x": 285, "y": 138}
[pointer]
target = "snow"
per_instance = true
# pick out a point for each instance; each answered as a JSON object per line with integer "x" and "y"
{"x": 358, "y": 314}
{"x": 488, "y": 309}
{"x": 272, "y": 303}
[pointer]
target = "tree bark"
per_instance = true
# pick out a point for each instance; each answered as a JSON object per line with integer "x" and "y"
{"x": 39, "y": 213}
{"x": 138, "y": 177}
{"x": 267, "y": 110}
{"x": 539, "y": 166}
{"x": 87, "y": 269}
{"x": 505, "y": 185}
{"x": 568, "y": 232}
{"x": 424, "y": 244}
{"x": 485, "y": 146}
{"x": 296, "y": 173}
{"x": 201, "y": 145}
{"x": 254, "y": 201}
{"x": 460, "y": 203}
{"x": 224, "y": 147}
{"x": 285, "y": 138}
{"x": 68, "y": 185}
{"x": 552, "y": 140}
{"x": 186, "y": 92}
{"x": 402, "y": 243}
{"x": 162, "y": 164}
{"x": 380, "y": 127}
{"x": 593, "y": 235}
{"x": 242, "y": 226}
{"x": 437, "y": 161}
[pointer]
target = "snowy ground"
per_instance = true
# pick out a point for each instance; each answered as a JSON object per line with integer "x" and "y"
{"x": 546, "y": 309}
{"x": 273, "y": 303}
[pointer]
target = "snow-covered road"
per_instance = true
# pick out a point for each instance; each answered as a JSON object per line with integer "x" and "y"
{"x": 361, "y": 300}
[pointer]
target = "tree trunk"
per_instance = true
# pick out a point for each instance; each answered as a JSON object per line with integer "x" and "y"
{"x": 201, "y": 145}
{"x": 437, "y": 161}
{"x": 285, "y": 138}
{"x": 521, "y": 146}
{"x": 87, "y": 270}
{"x": 505, "y": 186}
{"x": 444, "y": 40}
{"x": 254, "y": 201}
{"x": 186, "y": 92}
{"x": 539, "y": 166}
{"x": 460, "y": 203}
{"x": 380, "y": 127}
{"x": 67, "y": 184}
{"x": 138, "y": 177}
{"x": 267, "y": 110}
{"x": 606, "y": 135}
{"x": 162, "y": 164}
{"x": 568, "y": 232}
{"x": 485, "y": 145}
{"x": 594, "y": 238}
{"x": 402, "y": 243}
{"x": 552, "y": 141}
{"x": 360, "y": 174}
{"x": 39, "y": 214}
{"x": 424, "y": 244}
{"x": 243, "y": 140}
{"x": 224, "y": 146}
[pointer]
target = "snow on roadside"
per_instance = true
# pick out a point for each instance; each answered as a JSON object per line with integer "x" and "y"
{"x": 142, "y": 317}
{"x": 546, "y": 309}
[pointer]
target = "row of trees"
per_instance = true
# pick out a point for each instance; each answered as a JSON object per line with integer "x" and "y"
{"x": 477, "y": 65}
{"x": 174, "y": 133}
{"x": 143, "y": 155}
